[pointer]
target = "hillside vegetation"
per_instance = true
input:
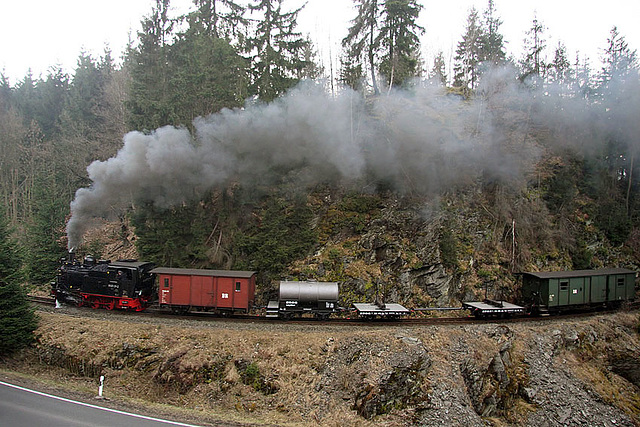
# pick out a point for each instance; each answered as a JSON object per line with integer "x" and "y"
{"x": 191, "y": 153}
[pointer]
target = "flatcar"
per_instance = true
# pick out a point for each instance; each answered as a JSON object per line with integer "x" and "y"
{"x": 380, "y": 310}
{"x": 123, "y": 284}
{"x": 219, "y": 291}
{"x": 493, "y": 308}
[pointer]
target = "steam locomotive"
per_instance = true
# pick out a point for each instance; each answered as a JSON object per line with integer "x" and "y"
{"x": 124, "y": 284}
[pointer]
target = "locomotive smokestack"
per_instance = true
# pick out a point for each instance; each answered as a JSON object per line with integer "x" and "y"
{"x": 72, "y": 255}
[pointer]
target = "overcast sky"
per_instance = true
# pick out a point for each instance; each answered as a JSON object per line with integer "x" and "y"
{"x": 38, "y": 34}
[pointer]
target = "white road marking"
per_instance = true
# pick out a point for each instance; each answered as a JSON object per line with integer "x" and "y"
{"x": 88, "y": 405}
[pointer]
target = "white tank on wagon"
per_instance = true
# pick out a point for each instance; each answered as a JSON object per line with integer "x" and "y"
{"x": 299, "y": 297}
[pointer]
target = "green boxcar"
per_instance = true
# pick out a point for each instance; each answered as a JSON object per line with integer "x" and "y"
{"x": 555, "y": 291}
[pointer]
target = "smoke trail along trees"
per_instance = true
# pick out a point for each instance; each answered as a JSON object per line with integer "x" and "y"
{"x": 420, "y": 142}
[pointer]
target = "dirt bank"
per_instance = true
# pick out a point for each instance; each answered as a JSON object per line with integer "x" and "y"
{"x": 581, "y": 372}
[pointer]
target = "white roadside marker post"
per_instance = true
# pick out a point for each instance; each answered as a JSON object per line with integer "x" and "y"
{"x": 101, "y": 387}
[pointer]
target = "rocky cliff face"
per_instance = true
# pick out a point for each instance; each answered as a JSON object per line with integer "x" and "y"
{"x": 391, "y": 251}
{"x": 374, "y": 379}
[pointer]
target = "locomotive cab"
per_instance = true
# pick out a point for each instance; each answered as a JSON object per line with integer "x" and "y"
{"x": 131, "y": 279}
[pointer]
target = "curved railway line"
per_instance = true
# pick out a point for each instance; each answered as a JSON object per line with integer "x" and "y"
{"x": 156, "y": 312}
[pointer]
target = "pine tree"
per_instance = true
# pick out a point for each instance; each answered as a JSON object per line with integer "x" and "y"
{"x": 17, "y": 318}
{"x": 207, "y": 74}
{"x": 438, "y": 73}
{"x": 560, "y": 71}
{"x": 219, "y": 18}
{"x": 276, "y": 50}
{"x": 492, "y": 50}
{"x": 399, "y": 41}
{"x": 362, "y": 40}
{"x": 583, "y": 79}
{"x": 85, "y": 100}
{"x": 533, "y": 63}
{"x": 174, "y": 237}
{"x": 45, "y": 230}
{"x": 469, "y": 53}
{"x": 149, "y": 106}
{"x": 52, "y": 95}
{"x": 618, "y": 59}
{"x": 311, "y": 69}
{"x": 282, "y": 232}
{"x": 351, "y": 74}
{"x": 26, "y": 99}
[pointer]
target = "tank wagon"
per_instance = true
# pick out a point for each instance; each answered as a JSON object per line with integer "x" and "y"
{"x": 123, "y": 284}
{"x": 221, "y": 291}
{"x": 298, "y": 298}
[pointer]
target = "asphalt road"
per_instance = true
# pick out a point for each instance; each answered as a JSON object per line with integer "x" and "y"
{"x": 20, "y": 407}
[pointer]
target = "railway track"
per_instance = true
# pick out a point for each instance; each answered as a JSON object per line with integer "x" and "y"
{"x": 41, "y": 300}
{"x": 338, "y": 321}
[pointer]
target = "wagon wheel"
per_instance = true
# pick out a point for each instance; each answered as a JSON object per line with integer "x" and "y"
{"x": 111, "y": 305}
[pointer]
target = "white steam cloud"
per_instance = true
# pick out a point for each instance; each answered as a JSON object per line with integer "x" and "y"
{"x": 420, "y": 141}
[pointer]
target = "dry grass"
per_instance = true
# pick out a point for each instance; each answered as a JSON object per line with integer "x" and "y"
{"x": 195, "y": 368}
{"x": 590, "y": 362}
{"x": 292, "y": 376}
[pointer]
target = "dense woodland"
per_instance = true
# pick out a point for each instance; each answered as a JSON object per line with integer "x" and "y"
{"x": 571, "y": 208}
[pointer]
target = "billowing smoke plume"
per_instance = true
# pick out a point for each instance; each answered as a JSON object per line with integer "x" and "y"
{"x": 419, "y": 142}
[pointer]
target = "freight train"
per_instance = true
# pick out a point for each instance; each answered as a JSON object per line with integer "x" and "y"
{"x": 134, "y": 285}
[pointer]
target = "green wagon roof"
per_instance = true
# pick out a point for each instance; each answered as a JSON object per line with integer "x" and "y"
{"x": 578, "y": 273}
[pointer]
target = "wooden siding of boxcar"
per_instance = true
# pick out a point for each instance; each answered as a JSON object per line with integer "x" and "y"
{"x": 206, "y": 292}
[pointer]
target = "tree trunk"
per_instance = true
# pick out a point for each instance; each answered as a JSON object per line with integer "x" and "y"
{"x": 630, "y": 183}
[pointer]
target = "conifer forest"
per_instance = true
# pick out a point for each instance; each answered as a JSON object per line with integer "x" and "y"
{"x": 221, "y": 140}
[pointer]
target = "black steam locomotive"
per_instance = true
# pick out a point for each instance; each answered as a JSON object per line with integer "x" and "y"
{"x": 123, "y": 284}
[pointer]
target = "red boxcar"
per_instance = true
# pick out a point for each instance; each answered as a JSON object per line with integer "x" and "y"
{"x": 224, "y": 291}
